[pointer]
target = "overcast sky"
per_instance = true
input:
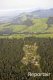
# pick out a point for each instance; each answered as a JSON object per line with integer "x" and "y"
{"x": 24, "y": 5}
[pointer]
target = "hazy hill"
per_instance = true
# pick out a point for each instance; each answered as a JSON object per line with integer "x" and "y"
{"x": 43, "y": 13}
{"x": 24, "y": 17}
{"x": 35, "y": 21}
{"x": 19, "y": 19}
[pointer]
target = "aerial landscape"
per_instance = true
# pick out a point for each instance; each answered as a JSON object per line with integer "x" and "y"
{"x": 26, "y": 40}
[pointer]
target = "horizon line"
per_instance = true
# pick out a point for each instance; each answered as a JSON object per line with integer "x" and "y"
{"x": 29, "y": 9}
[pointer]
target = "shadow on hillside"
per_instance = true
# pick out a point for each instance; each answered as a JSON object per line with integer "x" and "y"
{"x": 11, "y": 54}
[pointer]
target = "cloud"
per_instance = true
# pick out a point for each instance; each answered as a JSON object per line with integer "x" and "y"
{"x": 25, "y": 4}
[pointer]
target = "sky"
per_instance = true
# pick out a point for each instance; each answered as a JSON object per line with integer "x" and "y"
{"x": 24, "y": 5}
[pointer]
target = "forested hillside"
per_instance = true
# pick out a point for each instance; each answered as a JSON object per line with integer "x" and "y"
{"x": 20, "y": 56}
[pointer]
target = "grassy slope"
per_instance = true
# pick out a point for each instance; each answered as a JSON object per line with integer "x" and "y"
{"x": 39, "y": 25}
{"x": 18, "y": 36}
{"x": 50, "y": 29}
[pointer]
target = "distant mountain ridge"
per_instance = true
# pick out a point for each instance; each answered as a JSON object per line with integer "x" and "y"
{"x": 23, "y": 17}
{"x": 43, "y": 13}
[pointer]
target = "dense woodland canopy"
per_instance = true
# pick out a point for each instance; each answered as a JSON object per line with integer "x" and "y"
{"x": 12, "y": 52}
